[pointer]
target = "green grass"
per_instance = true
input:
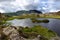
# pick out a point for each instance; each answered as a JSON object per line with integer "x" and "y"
{"x": 39, "y": 21}
{"x": 30, "y": 16}
{"x": 40, "y": 30}
{"x": 36, "y": 29}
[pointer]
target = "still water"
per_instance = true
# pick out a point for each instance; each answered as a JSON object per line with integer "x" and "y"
{"x": 54, "y": 24}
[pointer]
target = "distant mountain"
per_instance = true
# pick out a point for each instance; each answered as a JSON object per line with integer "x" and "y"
{"x": 35, "y": 11}
{"x": 30, "y": 11}
{"x": 23, "y": 12}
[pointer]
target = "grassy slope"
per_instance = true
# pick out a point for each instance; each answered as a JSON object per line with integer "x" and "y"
{"x": 36, "y": 29}
{"x": 33, "y": 16}
{"x": 39, "y": 30}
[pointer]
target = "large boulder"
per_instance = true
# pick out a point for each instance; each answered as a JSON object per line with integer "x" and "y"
{"x": 12, "y": 33}
{"x": 8, "y": 30}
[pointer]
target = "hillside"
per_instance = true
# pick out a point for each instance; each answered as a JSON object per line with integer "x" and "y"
{"x": 22, "y": 12}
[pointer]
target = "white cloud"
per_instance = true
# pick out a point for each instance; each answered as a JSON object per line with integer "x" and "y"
{"x": 15, "y": 5}
{"x": 0, "y": 5}
{"x": 36, "y": 1}
{"x": 6, "y": 0}
{"x": 2, "y": 11}
{"x": 54, "y": 10}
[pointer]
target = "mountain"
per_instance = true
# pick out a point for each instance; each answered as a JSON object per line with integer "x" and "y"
{"x": 35, "y": 11}
{"x": 30, "y": 11}
{"x": 23, "y": 12}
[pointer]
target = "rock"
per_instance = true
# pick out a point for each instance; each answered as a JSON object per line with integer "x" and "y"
{"x": 55, "y": 38}
{"x": 12, "y": 33}
{"x": 0, "y": 36}
{"x": 8, "y": 30}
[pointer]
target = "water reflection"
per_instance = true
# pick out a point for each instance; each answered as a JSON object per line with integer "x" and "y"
{"x": 22, "y": 22}
{"x": 54, "y": 24}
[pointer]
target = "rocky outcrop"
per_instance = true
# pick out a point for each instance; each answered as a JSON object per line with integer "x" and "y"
{"x": 0, "y": 36}
{"x": 55, "y": 38}
{"x": 10, "y": 33}
{"x": 13, "y": 34}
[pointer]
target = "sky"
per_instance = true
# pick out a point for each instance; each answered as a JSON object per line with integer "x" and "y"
{"x": 41, "y": 5}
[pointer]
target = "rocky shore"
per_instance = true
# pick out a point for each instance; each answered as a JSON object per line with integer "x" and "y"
{"x": 12, "y": 33}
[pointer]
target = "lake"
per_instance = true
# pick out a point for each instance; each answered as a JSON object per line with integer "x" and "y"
{"x": 54, "y": 24}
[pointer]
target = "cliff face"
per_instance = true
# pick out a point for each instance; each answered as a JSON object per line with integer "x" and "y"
{"x": 11, "y": 33}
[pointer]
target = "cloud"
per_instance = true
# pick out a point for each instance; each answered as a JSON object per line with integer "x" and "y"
{"x": 42, "y": 5}
{"x": 56, "y": 0}
{"x": 2, "y": 11}
{"x": 6, "y": 0}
